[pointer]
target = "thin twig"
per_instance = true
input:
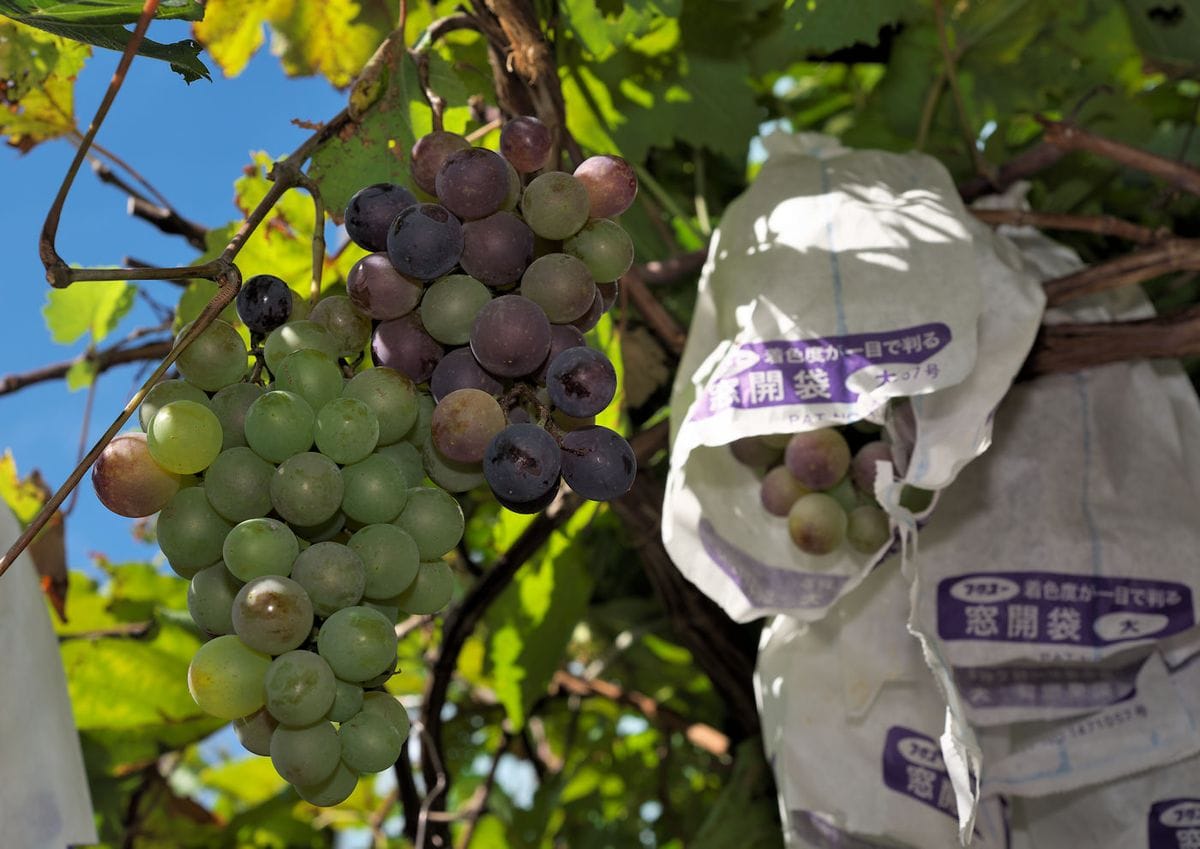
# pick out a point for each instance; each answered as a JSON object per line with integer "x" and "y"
{"x": 929, "y": 109}
{"x": 1103, "y": 225}
{"x": 960, "y": 104}
{"x": 318, "y": 238}
{"x": 83, "y": 436}
{"x": 1135, "y": 267}
{"x": 667, "y": 271}
{"x": 431, "y": 756}
{"x": 664, "y": 325}
{"x": 1067, "y": 136}
{"x": 1070, "y": 347}
{"x": 478, "y": 804}
{"x": 165, "y": 218}
{"x": 103, "y": 360}
{"x": 1032, "y": 161}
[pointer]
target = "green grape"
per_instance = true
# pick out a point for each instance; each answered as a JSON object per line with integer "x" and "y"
{"x": 312, "y": 375}
{"x": 230, "y": 405}
{"x": 449, "y": 475}
{"x": 217, "y": 357}
{"x": 359, "y": 643}
{"x": 915, "y": 499}
{"x": 332, "y": 574}
{"x": 301, "y": 308}
{"x": 347, "y": 430}
{"x": 258, "y": 547}
{"x": 184, "y": 437}
{"x": 300, "y": 688}
{"x": 297, "y": 336}
{"x": 817, "y": 523}
{"x": 278, "y": 425}
{"x": 868, "y": 529}
{"x": 382, "y": 678}
{"x": 306, "y": 755}
{"x": 333, "y": 790}
{"x": 390, "y": 558}
{"x": 254, "y": 731}
{"x": 418, "y": 434}
{"x": 407, "y": 458}
{"x": 375, "y": 490}
{"x": 389, "y": 707}
{"x": 433, "y": 519}
{"x": 210, "y": 599}
{"x": 844, "y": 493}
{"x": 307, "y": 490}
{"x": 369, "y": 743}
{"x": 389, "y": 610}
{"x": 322, "y": 531}
{"x": 225, "y": 677}
{"x": 449, "y": 307}
{"x": 190, "y": 533}
{"x": 391, "y": 395}
{"x": 430, "y": 592}
{"x": 555, "y": 205}
{"x": 164, "y": 393}
{"x": 272, "y": 614}
{"x": 350, "y": 329}
{"x": 347, "y": 701}
{"x": 604, "y": 247}
{"x": 238, "y": 484}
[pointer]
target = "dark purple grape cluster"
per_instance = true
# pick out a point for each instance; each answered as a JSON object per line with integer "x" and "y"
{"x": 823, "y": 483}
{"x": 484, "y": 294}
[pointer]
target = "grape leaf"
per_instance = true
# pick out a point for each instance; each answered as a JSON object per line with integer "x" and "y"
{"x": 232, "y": 32}
{"x": 1167, "y": 33}
{"x": 39, "y": 70}
{"x": 101, "y": 23}
{"x": 22, "y": 496}
{"x": 94, "y": 307}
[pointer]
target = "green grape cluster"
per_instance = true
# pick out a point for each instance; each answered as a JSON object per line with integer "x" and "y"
{"x": 823, "y": 483}
{"x": 300, "y": 513}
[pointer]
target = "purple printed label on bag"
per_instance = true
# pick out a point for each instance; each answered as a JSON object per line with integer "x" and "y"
{"x": 1060, "y": 609}
{"x": 1174, "y": 824}
{"x": 820, "y": 833}
{"x": 783, "y": 372}
{"x": 913, "y": 765}
{"x": 1072, "y": 687}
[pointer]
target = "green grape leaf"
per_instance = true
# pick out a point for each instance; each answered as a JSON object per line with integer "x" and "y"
{"x": 245, "y": 782}
{"x": 80, "y": 375}
{"x": 21, "y": 495}
{"x": 91, "y": 307}
{"x": 601, "y": 32}
{"x": 40, "y": 72}
{"x": 531, "y": 623}
{"x": 1167, "y": 33}
{"x": 101, "y": 24}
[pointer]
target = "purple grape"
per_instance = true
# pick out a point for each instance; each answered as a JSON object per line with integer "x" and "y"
{"x": 526, "y": 143}
{"x": 497, "y": 249}
{"x": 598, "y": 463}
{"x": 458, "y": 370}
{"x": 591, "y": 318}
{"x": 371, "y": 211}
{"x": 472, "y": 183}
{"x": 403, "y": 344}
{"x": 581, "y": 382}
{"x": 264, "y": 303}
{"x": 425, "y": 241}
{"x": 537, "y": 505}
{"x": 562, "y": 337}
{"x": 521, "y": 463}
{"x": 779, "y": 491}
{"x": 511, "y": 336}
{"x": 428, "y": 154}
{"x": 464, "y": 423}
{"x": 611, "y": 185}
{"x": 378, "y": 289}
{"x": 608, "y": 294}
{"x": 818, "y": 458}
{"x": 862, "y": 467}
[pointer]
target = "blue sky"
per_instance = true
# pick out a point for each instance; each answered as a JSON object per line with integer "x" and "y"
{"x": 191, "y": 143}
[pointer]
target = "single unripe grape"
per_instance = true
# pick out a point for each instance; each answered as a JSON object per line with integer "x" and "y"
{"x": 307, "y": 489}
{"x": 450, "y": 305}
{"x": 164, "y": 393}
{"x": 306, "y": 755}
{"x": 407, "y": 458}
{"x": 312, "y": 375}
{"x": 463, "y": 424}
{"x": 448, "y": 474}
{"x": 215, "y": 359}
{"x": 238, "y": 485}
{"x": 358, "y": 643}
{"x": 755, "y": 452}
{"x": 434, "y": 519}
{"x": 333, "y": 790}
{"x": 915, "y": 499}
{"x": 190, "y": 533}
{"x": 230, "y": 405}
{"x": 818, "y": 458}
{"x": 374, "y": 490}
{"x": 272, "y": 615}
{"x": 225, "y": 677}
{"x": 868, "y": 529}
{"x": 561, "y": 285}
{"x": 346, "y": 430}
{"x": 555, "y": 205}
{"x": 300, "y": 688}
{"x": 210, "y": 599}
{"x": 263, "y": 303}
{"x": 347, "y": 701}
{"x": 780, "y": 491}
{"x": 604, "y": 247}
{"x": 350, "y": 329}
{"x": 184, "y": 437}
{"x": 862, "y": 468}
{"x": 332, "y": 574}
{"x": 817, "y": 523}
{"x": 418, "y": 432}
{"x": 369, "y": 743}
{"x": 430, "y": 592}
{"x": 128, "y": 481}
{"x": 258, "y": 547}
{"x": 389, "y": 707}
{"x": 844, "y": 493}
{"x": 278, "y": 425}
{"x": 391, "y": 395}
{"x": 254, "y": 731}
{"x": 297, "y": 336}
{"x": 591, "y": 318}
{"x": 390, "y": 559}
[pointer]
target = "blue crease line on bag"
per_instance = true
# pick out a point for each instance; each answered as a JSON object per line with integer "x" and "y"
{"x": 834, "y": 268}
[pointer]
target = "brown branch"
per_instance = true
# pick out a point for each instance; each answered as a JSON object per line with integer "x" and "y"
{"x": 104, "y": 360}
{"x": 699, "y": 734}
{"x": 667, "y": 271}
{"x": 1070, "y": 347}
{"x": 660, "y": 321}
{"x": 1034, "y": 160}
{"x": 164, "y": 218}
{"x": 1069, "y": 137}
{"x": 1102, "y": 225}
{"x": 410, "y": 800}
{"x": 1144, "y": 264}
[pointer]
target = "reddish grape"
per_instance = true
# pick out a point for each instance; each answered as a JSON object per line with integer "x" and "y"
{"x": 472, "y": 183}
{"x": 511, "y": 336}
{"x": 497, "y": 249}
{"x": 403, "y": 344}
{"x": 611, "y": 185}
{"x": 378, "y": 289}
{"x": 526, "y": 143}
{"x": 428, "y": 154}
{"x": 818, "y": 458}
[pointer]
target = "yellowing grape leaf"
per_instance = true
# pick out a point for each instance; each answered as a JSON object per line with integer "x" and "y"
{"x": 23, "y": 497}
{"x": 232, "y": 31}
{"x": 91, "y": 307}
{"x": 39, "y": 72}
